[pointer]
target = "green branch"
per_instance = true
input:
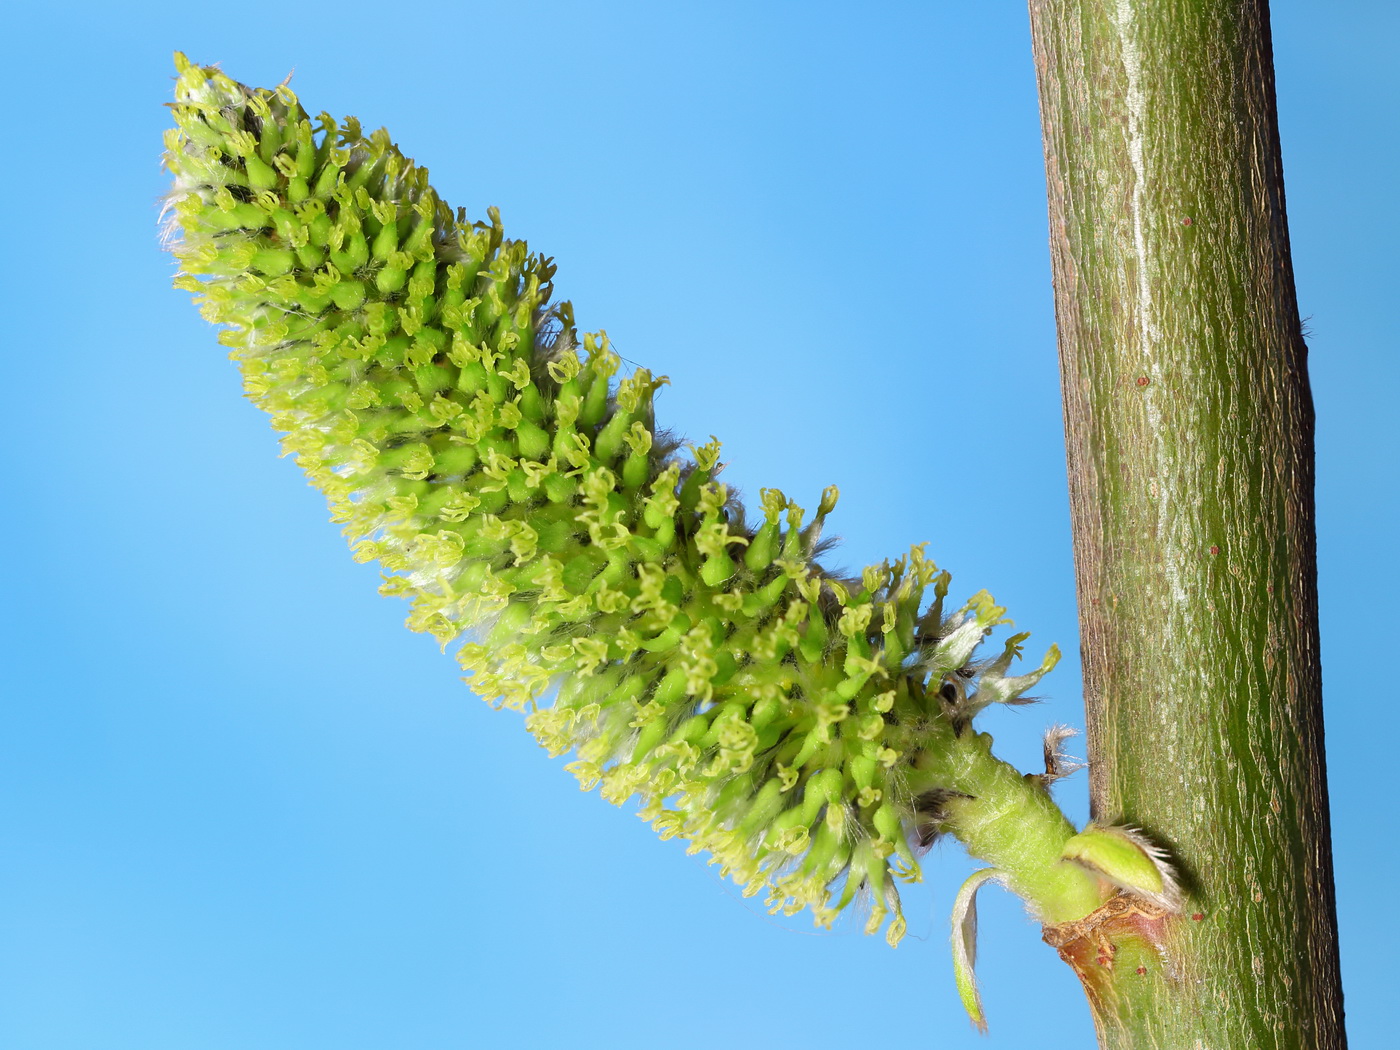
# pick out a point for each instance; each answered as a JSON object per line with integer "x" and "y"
{"x": 1189, "y": 430}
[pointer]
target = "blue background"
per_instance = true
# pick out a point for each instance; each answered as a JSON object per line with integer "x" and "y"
{"x": 241, "y": 807}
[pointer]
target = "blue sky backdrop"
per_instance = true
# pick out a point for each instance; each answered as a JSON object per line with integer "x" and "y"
{"x": 241, "y": 807}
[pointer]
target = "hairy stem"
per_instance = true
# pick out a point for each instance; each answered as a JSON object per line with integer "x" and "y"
{"x": 1009, "y": 820}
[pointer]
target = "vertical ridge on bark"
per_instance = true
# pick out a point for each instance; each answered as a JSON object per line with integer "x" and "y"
{"x": 1189, "y": 436}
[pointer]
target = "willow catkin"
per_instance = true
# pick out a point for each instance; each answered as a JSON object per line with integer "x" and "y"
{"x": 524, "y": 502}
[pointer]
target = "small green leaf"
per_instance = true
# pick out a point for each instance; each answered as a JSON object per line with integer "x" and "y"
{"x": 1126, "y": 858}
{"x": 965, "y": 942}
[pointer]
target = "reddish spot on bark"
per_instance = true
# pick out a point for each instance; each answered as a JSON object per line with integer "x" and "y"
{"x": 1214, "y": 549}
{"x": 1197, "y": 916}
{"x": 1093, "y": 939}
{"x": 1187, "y": 221}
{"x": 1142, "y": 380}
{"x": 1141, "y": 971}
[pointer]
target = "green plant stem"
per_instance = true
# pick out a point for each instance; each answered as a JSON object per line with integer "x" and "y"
{"x": 1189, "y": 429}
{"x": 1009, "y": 820}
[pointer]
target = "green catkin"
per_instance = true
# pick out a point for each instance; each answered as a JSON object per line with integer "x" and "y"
{"x": 525, "y": 505}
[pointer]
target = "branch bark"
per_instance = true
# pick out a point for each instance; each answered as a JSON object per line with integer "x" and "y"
{"x": 1189, "y": 428}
